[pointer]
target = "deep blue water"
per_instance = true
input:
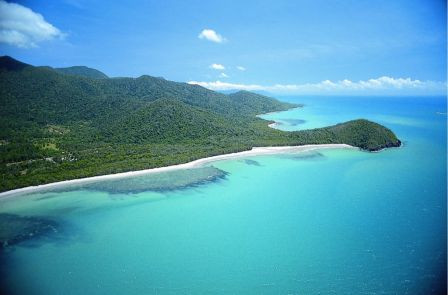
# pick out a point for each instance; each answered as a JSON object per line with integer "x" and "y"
{"x": 319, "y": 222}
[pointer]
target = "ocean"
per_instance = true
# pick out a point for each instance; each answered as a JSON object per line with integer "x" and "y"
{"x": 336, "y": 221}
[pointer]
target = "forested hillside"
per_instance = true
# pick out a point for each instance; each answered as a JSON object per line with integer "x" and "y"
{"x": 57, "y": 126}
{"x": 82, "y": 72}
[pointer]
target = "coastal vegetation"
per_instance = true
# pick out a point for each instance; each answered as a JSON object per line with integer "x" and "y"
{"x": 59, "y": 124}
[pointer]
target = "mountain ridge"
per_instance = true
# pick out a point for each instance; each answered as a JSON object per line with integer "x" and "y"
{"x": 57, "y": 126}
{"x": 82, "y": 71}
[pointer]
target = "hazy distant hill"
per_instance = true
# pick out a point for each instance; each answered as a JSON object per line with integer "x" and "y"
{"x": 259, "y": 104}
{"x": 83, "y": 72}
{"x": 56, "y": 126}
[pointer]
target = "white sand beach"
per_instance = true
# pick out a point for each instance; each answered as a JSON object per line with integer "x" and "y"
{"x": 256, "y": 151}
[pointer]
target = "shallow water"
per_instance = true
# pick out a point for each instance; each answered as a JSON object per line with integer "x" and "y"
{"x": 319, "y": 222}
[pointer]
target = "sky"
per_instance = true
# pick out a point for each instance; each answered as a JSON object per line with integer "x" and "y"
{"x": 286, "y": 47}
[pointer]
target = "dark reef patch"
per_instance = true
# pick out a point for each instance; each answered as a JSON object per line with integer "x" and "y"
{"x": 294, "y": 122}
{"x": 46, "y": 197}
{"x": 29, "y": 232}
{"x": 160, "y": 182}
{"x": 251, "y": 162}
{"x": 16, "y": 229}
{"x": 306, "y": 156}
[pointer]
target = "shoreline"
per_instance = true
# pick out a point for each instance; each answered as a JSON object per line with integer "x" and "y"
{"x": 256, "y": 151}
{"x": 275, "y": 112}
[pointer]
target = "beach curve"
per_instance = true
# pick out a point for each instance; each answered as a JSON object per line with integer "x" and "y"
{"x": 256, "y": 151}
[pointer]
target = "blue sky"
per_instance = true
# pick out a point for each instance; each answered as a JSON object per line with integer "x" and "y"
{"x": 279, "y": 46}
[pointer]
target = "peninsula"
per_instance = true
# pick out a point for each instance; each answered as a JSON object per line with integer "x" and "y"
{"x": 68, "y": 123}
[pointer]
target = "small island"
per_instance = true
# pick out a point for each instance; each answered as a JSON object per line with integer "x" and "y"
{"x": 68, "y": 123}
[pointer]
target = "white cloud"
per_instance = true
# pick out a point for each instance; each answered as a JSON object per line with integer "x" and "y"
{"x": 22, "y": 27}
{"x": 211, "y": 35}
{"x": 217, "y": 67}
{"x": 218, "y": 85}
{"x": 379, "y": 85}
{"x": 224, "y": 75}
{"x": 241, "y": 68}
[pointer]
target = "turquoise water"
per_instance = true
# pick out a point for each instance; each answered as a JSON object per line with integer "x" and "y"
{"x": 320, "y": 222}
